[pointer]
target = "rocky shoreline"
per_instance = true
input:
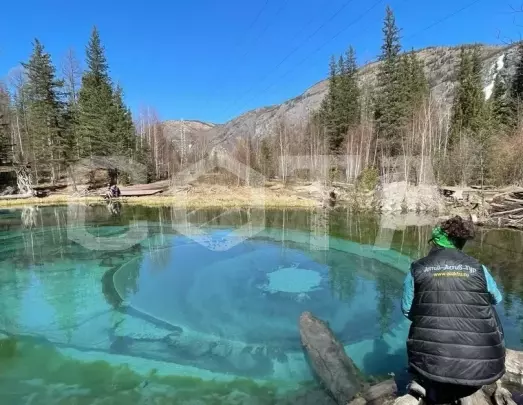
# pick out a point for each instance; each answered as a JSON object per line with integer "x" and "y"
{"x": 344, "y": 384}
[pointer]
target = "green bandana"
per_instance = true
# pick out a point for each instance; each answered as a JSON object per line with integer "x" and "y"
{"x": 440, "y": 238}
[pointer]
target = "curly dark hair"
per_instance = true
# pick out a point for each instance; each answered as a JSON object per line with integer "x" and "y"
{"x": 458, "y": 230}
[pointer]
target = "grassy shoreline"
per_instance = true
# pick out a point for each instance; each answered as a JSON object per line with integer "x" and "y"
{"x": 196, "y": 201}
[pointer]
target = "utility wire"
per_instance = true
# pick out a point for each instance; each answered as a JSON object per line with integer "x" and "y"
{"x": 256, "y": 18}
{"x": 251, "y": 26}
{"x": 242, "y": 58}
{"x": 332, "y": 17}
{"x": 447, "y": 17}
{"x": 282, "y": 6}
{"x": 360, "y": 17}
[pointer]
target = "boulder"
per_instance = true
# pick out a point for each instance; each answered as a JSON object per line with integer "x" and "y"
{"x": 513, "y": 377}
{"x": 403, "y": 197}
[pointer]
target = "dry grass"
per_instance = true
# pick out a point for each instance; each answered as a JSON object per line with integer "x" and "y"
{"x": 202, "y": 197}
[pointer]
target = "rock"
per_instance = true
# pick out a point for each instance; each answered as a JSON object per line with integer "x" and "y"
{"x": 328, "y": 359}
{"x": 502, "y": 396}
{"x": 478, "y": 398}
{"x": 403, "y": 197}
{"x": 381, "y": 393}
{"x": 406, "y": 400}
{"x": 358, "y": 401}
{"x": 514, "y": 370}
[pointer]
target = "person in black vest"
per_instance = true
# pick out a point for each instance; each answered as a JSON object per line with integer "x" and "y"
{"x": 455, "y": 343}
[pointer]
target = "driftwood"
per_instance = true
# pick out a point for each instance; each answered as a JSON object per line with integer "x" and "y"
{"x": 505, "y": 209}
{"x": 16, "y": 196}
{"x": 342, "y": 380}
{"x": 345, "y": 383}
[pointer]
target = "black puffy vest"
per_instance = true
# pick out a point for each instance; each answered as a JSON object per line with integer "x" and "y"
{"x": 455, "y": 336}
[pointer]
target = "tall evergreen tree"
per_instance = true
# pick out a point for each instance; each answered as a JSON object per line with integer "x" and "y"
{"x": 468, "y": 109}
{"x": 5, "y": 125}
{"x": 122, "y": 126}
{"x": 44, "y": 110}
{"x": 499, "y": 104}
{"x": 72, "y": 76}
{"x": 419, "y": 85}
{"x": 516, "y": 87}
{"x": 351, "y": 89}
{"x": 95, "y": 102}
{"x": 329, "y": 104}
{"x": 390, "y": 109}
{"x": 340, "y": 109}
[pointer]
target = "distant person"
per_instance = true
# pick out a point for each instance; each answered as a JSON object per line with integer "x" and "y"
{"x": 115, "y": 191}
{"x": 455, "y": 343}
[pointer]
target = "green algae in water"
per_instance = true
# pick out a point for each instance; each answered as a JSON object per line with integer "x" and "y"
{"x": 49, "y": 377}
{"x": 8, "y": 346}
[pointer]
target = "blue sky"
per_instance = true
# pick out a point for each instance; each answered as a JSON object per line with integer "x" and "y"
{"x": 212, "y": 60}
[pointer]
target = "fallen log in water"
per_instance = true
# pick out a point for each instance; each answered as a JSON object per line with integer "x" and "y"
{"x": 328, "y": 359}
{"x": 344, "y": 382}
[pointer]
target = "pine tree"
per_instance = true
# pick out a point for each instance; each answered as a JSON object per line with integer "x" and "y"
{"x": 468, "y": 109}
{"x": 5, "y": 127}
{"x": 95, "y": 102}
{"x": 499, "y": 104}
{"x": 328, "y": 107}
{"x": 352, "y": 90}
{"x": 267, "y": 158}
{"x": 516, "y": 88}
{"x": 122, "y": 126}
{"x": 72, "y": 75}
{"x": 44, "y": 110}
{"x": 419, "y": 84}
{"x": 390, "y": 109}
{"x": 340, "y": 110}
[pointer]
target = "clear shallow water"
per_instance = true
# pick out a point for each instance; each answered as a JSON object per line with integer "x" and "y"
{"x": 170, "y": 318}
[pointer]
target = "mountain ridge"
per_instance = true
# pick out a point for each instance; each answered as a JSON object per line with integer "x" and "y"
{"x": 439, "y": 62}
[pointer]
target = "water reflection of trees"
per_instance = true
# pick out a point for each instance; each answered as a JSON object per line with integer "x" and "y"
{"x": 40, "y": 235}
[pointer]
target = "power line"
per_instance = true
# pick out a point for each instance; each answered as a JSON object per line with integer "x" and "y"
{"x": 447, "y": 17}
{"x": 262, "y": 9}
{"x": 266, "y": 28}
{"x": 332, "y": 17}
{"x": 360, "y": 17}
{"x": 242, "y": 37}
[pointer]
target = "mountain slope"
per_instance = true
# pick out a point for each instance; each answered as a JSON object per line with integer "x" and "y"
{"x": 440, "y": 64}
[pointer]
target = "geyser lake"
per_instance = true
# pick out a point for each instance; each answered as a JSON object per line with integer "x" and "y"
{"x": 154, "y": 305}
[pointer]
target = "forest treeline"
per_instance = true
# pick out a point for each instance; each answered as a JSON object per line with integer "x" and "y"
{"x": 397, "y": 127}
{"x": 51, "y": 118}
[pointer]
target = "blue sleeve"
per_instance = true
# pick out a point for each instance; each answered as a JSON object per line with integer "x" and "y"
{"x": 408, "y": 294}
{"x": 492, "y": 287}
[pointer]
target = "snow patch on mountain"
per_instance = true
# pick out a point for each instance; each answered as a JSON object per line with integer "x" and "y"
{"x": 496, "y": 68}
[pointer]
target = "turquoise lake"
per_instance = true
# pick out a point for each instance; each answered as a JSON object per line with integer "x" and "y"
{"x": 158, "y": 306}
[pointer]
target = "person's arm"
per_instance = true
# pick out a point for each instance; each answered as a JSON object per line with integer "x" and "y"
{"x": 492, "y": 287}
{"x": 408, "y": 295}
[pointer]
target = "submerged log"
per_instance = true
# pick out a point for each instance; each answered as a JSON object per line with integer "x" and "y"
{"x": 341, "y": 378}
